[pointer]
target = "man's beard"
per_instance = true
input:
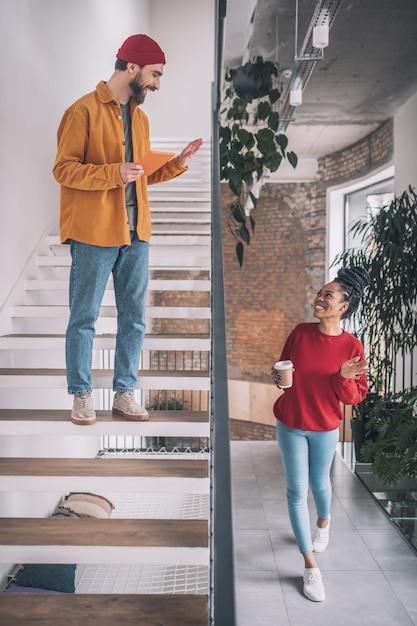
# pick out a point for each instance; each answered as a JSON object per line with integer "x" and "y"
{"x": 139, "y": 92}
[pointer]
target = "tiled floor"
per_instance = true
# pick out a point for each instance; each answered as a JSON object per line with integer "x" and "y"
{"x": 369, "y": 572}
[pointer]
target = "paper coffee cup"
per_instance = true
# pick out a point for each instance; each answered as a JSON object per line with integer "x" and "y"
{"x": 285, "y": 370}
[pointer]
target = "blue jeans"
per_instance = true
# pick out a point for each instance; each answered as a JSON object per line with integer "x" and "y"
{"x": 307, "y": 457}
{"x": 90, "y": 271}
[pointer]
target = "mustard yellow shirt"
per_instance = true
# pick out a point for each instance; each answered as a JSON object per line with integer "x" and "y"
{"x": 87, "y": 166}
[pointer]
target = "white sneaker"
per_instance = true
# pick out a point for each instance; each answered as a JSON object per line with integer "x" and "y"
{"x": 321, "y": 538}
{"x": 313, "y": 585}
{"x": 125, "y": 404}
{"x": 83, "y": 413}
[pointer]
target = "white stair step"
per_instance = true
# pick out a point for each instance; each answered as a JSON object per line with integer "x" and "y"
{"x": 49, "y": 297}
{"x": 57, "y": 422}
{"x": 194, "y": 181}
{"x": 152, "y": 312}
{"x": 61, "y": 272}
{"x": 59, "y": 248}
{"x": 104, "y": 326}
{"x": 181, "y": 195}
{"x": 201, "y": 240}
{"x": 173, "y": 254}
{"x": 105, "y": 474}
{"x": 53, "y": 399}
{"x": 196, "y": 259}
{"x": 154, "y": 285}
{"x": 56, "y": 540}
{"x": 181, "y": 218}
{"x": 172, "y": 229}
{"x": 173, "y": 205}
{"x": 21, "y": 378}
{"x": 106, "y": 342}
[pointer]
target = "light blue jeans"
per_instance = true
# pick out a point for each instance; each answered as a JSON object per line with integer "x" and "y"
{"x": 90, "y": 271}
{"x": 307, "y": 457}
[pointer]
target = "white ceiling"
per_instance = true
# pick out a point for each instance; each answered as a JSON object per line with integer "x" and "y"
{"x": 368, "y": 72}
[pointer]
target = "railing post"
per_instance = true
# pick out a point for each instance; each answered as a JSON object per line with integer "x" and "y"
{"x": 222, "y": 596}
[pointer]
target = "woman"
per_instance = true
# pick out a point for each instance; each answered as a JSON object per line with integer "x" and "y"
{"x": 329, "y": 369}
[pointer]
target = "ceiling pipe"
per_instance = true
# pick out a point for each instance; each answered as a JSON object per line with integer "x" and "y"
{"x": 305, "y": 60}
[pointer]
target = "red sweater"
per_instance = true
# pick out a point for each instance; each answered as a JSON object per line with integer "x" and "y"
{"x": 313, "y": 402}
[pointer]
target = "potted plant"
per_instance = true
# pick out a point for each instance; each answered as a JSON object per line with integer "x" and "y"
{"x": 361, "y": 423}
{"x": 393, "y": 449}
{"x": 386, "y": 323}
{"x": 250, "y": 145}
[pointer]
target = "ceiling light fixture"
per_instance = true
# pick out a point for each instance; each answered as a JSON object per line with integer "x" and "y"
{"x": 296, "y": 93}
{"x": 321, "y": 33}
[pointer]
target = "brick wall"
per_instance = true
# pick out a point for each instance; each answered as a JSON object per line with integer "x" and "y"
{"x": 284, "y": 265}
{"x": 360, "y": 159}
{"x": 282, "y": 269}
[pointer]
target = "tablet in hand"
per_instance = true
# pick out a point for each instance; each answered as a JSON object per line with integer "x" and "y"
{"x": 153, "y": 160}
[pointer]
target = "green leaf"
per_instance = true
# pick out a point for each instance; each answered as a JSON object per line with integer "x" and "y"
{"x": 225, "y": 133}
{"x": 267, "y": 148}
{"x": 244, "y": 136}
{"x": 274, "y": 95}
{"x": 254, "y": 200}
{"x": 273, "y": 120}
{"x": 265, "y": 134}
{"x": 238, "y": 212}
{"x": 248, "y": 177}
{"x": 235, "y": 182}
{"x": 244, "y": 234}
{"x": 274, "y": 161}
{"x": 239, "y": 252}
{"x": 282, "y": 141}
{"x": 264, "y": 109}
{"x": 292, "y": 158}
{"x": 252, "y": 222}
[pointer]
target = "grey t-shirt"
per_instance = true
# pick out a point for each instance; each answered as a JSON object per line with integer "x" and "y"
{"x": 130, "y": 190}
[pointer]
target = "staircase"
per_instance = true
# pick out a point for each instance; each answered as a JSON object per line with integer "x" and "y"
{"x": 156, "y": 473}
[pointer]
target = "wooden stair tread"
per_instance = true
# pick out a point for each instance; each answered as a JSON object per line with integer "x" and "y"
{"x": 51, "y": 415}
{"x": 104, "y": 609}
{"x": 21, "y": 371}
{"x": 184, "y": 533}
{"x": 105, "y": 467}
{"x": 109, "y": 335}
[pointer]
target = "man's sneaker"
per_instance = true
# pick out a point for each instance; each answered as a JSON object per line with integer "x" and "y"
{"x": 125, "y": 404}
{"x": 321, "y": 538}
{"x": 83, "y": 413}
{"x": 313, "y": 585}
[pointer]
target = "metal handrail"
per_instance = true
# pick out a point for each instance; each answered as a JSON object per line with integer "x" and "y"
{"x": 222, "y": 592}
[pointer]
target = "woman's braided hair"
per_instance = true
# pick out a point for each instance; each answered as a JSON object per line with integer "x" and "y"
{"x": 353, "y": 281}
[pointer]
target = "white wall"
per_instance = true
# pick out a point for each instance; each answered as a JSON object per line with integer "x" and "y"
{"x": 185, "y": 31}
{"x": 53, "y": 52}
{"x": 405, "y": 146}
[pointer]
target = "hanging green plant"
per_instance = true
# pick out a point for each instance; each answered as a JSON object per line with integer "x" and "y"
{"x": 250, "y": 145}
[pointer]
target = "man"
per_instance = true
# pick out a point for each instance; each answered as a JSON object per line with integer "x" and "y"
{"x": 105, "y": 217}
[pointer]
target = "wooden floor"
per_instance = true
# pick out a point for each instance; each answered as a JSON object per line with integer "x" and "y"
{"x": 103, "y": 610}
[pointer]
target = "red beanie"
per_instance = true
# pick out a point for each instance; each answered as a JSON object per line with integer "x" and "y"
{"x": 142, "y": 50}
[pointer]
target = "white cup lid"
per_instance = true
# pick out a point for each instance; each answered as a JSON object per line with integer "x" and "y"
{"x": 283, "y": 365}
